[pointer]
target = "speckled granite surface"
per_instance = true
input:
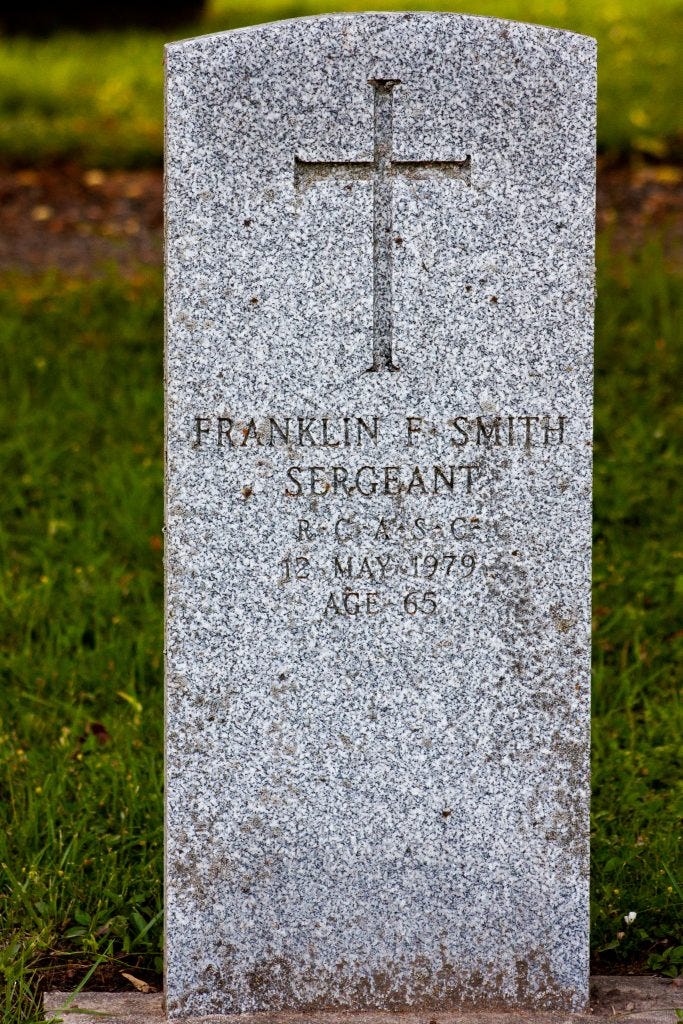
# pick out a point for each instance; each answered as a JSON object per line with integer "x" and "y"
{"x": 379, "y": 331}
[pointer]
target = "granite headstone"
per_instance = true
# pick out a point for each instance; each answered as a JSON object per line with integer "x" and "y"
{"x": 378, "y": 363}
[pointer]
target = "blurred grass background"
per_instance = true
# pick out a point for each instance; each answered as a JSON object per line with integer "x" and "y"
{"x": 98, "y": 98}
{"x": 81, "y": 523}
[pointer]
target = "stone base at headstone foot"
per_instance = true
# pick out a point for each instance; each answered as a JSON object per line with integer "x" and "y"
{"x": 379, "y": 379}
{"x": 646, "y": 1000}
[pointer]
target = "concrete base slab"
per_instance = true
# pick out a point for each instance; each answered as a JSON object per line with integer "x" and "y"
{"x": 635, "y": 999}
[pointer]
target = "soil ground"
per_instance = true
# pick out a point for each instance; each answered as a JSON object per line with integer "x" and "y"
{"x": 637, "y": 1000}
{"x": 83, "y": 221}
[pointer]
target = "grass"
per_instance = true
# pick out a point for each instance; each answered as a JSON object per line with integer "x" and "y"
{"x": 81, "y": 645}
{"x": 638, "y": 600}
{"x": 97, "y": 98}
{"x": 80, "y": 640}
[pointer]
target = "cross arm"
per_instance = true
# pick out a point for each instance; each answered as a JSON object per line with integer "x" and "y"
{"x": 422, "y": 170}
{"x": 308, "y": 172}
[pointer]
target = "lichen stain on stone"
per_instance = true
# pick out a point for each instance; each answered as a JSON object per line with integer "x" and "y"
{"x": 564, "y": 620}
{"x": 269, "y": 976}
{"x": 566, "y": 826}
{"x": 274, "y": 984}
{"x": 537, "y": 987}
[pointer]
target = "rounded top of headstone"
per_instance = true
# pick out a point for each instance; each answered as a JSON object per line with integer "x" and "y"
{"x": 399, "y": 24}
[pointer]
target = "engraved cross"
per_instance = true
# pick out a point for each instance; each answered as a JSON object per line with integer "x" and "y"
{"x": 381, "y": 170}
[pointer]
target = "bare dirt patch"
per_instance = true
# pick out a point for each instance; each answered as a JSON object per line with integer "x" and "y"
{"x": 83, "y": 221}
{"x": 80, "y": 221}
{"x": 638, "y": 202}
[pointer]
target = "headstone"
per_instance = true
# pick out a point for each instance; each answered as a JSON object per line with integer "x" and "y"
{"x": 379, "y": 330}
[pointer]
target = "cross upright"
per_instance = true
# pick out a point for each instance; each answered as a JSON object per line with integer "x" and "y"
{"x": 381, "y": 170}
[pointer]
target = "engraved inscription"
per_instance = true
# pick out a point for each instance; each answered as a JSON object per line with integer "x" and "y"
{"x": 321, "y": 481}
{"x": 392, "y": 559}
{"x": 378, "y": 567}
{"x": 509, "y": 430}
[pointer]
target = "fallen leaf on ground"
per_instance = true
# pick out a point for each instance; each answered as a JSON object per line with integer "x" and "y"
{"x": 141, "y": 986}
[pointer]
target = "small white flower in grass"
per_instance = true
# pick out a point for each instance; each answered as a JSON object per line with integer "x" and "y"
{"x": 630, "y": 917}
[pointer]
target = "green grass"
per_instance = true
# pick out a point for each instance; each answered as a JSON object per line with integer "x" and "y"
{"x": 638, "y": 605}
{"x": 80, "y": 634}
{"x": 80, "y": 631}
{"x": 98, "y": 98}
